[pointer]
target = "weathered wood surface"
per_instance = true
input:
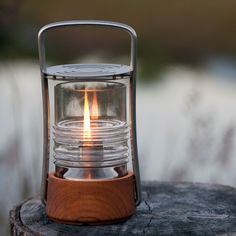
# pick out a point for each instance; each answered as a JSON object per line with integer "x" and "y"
{"x": 167, "y": 209}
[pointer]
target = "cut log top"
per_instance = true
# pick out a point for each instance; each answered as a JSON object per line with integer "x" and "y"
{"x": 167, "y": 209}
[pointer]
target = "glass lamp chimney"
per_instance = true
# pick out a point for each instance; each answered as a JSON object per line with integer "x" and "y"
{"x": 91, "y": 130}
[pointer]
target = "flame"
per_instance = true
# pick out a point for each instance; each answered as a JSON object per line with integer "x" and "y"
{"x": 94, "y": 114}
{"x": 87, "y": 129}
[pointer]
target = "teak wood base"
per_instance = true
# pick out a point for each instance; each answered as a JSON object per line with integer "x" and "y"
{"x": 92, "y": 201}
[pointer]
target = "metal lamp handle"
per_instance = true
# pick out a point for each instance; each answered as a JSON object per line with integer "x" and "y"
{"x": 85, "y": 23}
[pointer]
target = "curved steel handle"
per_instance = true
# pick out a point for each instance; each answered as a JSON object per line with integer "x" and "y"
{"x": 85, "y": 23}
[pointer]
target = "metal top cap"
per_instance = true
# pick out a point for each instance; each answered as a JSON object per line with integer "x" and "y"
{"x": 87, "y": 70}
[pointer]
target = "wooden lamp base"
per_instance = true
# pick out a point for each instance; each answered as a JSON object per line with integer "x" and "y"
{"x": 90, "y": 202}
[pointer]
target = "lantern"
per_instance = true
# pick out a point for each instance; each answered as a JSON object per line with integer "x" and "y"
{"x": 90, "y": 130}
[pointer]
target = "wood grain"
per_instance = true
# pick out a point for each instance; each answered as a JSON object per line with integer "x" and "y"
{"x": 92, "y": 201}
{"x": 167, "y": 209}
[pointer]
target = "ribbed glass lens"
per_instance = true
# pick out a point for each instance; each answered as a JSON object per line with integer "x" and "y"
{"x": 91, "y": 132}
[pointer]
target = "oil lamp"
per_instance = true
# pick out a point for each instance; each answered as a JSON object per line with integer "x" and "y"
{"x": 90, "y": 133}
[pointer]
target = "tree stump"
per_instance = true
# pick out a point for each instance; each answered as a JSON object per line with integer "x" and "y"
{"x": 167, "y": 209}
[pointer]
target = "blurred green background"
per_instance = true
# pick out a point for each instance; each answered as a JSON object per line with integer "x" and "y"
{"x": 169, "y": 31}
